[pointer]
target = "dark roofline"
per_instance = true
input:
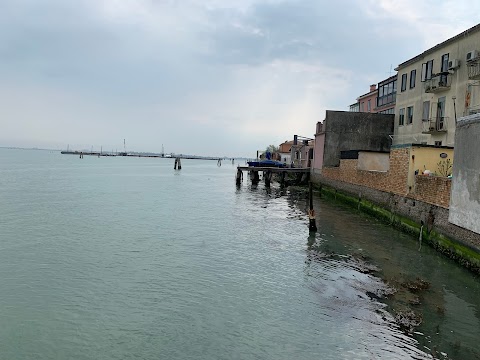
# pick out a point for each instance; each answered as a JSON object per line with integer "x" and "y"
{"x": 387, "y": 80}
{"x": 465, "y": 33}
{"x": 364, "y": 95}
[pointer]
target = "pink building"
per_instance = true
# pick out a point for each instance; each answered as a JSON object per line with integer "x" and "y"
{"x": 367, "y": 102}
{"x": 379, "y": 99}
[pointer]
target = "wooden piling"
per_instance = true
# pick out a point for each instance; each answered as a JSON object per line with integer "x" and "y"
{"x": 178, "y": 164}
{"x": 255, "y": 177}
{"x": 267, "y": 177}
{"x": 239, "y": 177}
{"x": 312, "y": 226}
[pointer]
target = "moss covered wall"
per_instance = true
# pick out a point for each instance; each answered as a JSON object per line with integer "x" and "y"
{"x": 407, "y": 215}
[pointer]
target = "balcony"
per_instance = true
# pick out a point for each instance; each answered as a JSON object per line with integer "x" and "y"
{"x": 436, "y": 125}
{"x": 438, "y": 83}
{"x": 473, "y": 68}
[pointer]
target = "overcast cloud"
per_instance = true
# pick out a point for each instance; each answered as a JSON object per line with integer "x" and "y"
{"x": 212, "y": 77}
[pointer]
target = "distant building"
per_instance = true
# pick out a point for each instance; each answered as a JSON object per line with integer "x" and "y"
{"x": 379, "y": 99}
{"x": 284, "y": 150}
{"x": 366, "y": 102}
{"x": 436, "y": 87}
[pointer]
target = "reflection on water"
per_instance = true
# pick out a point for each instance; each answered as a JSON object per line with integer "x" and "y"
{"x": 119, "y": 258}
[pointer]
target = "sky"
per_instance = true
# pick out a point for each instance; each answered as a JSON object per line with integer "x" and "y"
{"x": 205, "y": 77}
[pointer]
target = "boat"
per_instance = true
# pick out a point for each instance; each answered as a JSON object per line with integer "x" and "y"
{"x": 266, "y": 163}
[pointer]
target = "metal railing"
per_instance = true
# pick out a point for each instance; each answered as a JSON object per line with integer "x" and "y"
{"x": 435, "y": 125}
{"x": 437, "y": 83}
{"x": 473, "y": 68}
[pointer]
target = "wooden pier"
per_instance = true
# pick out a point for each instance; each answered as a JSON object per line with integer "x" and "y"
{"x": 301, "y": 174}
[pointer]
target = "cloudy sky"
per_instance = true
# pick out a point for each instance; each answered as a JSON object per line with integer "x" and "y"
{"x": 209, "y": 77}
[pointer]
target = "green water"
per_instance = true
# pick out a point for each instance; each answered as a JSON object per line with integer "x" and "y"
{"x": 125, "y": 258}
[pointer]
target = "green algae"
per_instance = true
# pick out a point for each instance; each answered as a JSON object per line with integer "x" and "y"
{"x": 454, "y": 249}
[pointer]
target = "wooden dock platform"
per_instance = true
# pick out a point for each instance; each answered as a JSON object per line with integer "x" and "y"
{"x": 274, "y": 169}
{"x": 301, "y": 174}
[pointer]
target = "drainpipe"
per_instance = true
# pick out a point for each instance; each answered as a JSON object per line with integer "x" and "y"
{"x": 454, "y": 109}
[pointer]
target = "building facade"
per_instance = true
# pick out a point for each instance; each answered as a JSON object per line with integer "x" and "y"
{"x": 386, "y": 96}
{"x": 436, "y": 87}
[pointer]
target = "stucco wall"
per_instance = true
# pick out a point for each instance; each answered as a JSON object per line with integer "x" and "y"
{"x": 415, "y": 97}
{"x": 465, "y": 199}
{"x": 426, "y": 158}
{"x": 318, "y": 151}
{"x": 355, "y": 131}
{"x": 373, "y": 161}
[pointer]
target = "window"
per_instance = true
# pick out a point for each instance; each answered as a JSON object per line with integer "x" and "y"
{"x": 444, "y": 70}
{"x": 413, "y": 75}
{"x": 387, "y": 91}
{"x": 438, "y": 143}
{"x": 409, "y": 115}
{"x": 426, "y": 110}
{"x": 404, "y": 82}
{"x": 369, "y": 105}
{"x": 362, "y": 106}
{"x": 401, "y": 117}
{"x": 427, "y": 70}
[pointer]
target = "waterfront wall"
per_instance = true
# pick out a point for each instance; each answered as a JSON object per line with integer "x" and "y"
{"x": 407, "y": 214}
{"x": 430, "y": 189}
{"x": 465, "y": 204}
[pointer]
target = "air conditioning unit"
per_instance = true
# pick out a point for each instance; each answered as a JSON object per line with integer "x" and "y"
{"x": 472, "y": 55}
{"x": 453, "y": 64}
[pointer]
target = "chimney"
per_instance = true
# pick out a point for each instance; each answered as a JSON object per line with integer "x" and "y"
{"x": 373, "y": 87}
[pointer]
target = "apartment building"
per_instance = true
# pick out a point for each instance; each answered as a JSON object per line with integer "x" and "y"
{"x": 386, "y": 96}
{"x": 366, "y": 102}
{"x": 435, "y": 88}
{"x": 379, "y": 99}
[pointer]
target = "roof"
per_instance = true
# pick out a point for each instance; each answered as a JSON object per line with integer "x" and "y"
{"x": 466, "y": 33}
{"x": 367, "y": 94}
{"x": 387, "y": 80}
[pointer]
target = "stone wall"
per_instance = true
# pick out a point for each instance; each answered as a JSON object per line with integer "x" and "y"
{"x": 433, "y": 189}
{"x": 430, "y": 189}
{"x": 459, "y": 243}
{"x": 394, "y": 180}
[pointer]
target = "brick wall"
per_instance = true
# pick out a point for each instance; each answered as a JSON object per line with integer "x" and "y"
{"x": 394, "y": 180}
{"x": 433, "y": 190}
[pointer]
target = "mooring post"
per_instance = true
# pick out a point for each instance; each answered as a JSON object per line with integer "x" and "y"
{"x": 178, "y": 164}
{"x": 239, "y": 178}
{"x": 282, "y": 181}
{"x": 255, "y": 178}
{"x": 267, "y": 175}
{"x": 312, "y": 226}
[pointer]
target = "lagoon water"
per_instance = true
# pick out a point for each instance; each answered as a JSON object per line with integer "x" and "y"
{"x": 125, "y": 258}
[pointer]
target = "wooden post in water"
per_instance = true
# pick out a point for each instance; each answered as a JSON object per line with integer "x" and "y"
{"x": 312, "y": 226}
{"x": 267, "y": 177}
{"x": 178, "y": 164}
{"x": 255, "y": 177}
{"x": 239, "y": 177}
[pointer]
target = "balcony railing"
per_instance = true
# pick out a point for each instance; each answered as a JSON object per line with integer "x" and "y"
{"x": 474, "y": 70}
{"x": 436, "y": 125}
{"x": 437, "y": 83}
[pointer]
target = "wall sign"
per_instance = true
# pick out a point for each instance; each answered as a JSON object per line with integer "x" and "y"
{"x": 443, "y": 155}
